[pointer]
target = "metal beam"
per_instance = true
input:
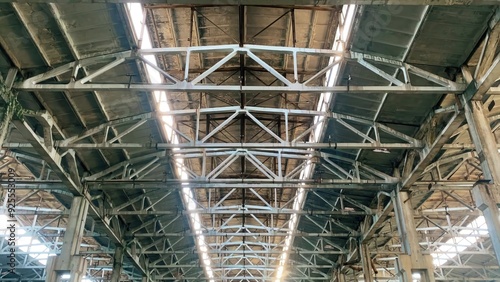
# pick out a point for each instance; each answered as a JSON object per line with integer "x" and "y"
{"x": 217, "y": 266}
{"x": 246, "y": 211}
{"x": 202, "y": 145}
{"x": 368, "y": 185}
{"x": 51, "y": 156}
{"x": 168, "y": 185}
{"x": 295, "y": 88}
{"x": 246, "y": 278}
{"x": 432, "y": 150}
{"x": 243, "y": 234}
{"x": 227, "y": 252}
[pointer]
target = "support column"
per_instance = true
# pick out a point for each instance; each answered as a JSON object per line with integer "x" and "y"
{"x": 69, "y": 261}
{"x": 486, "y": 203}
{"x": 366, "y": 261}
{"x": 117, "y": 264}
{"x": 412, "y": 261}
{"x": 486, "y": 197}
{"x": 485, "y": 143}
{"x": 340, "y": 276}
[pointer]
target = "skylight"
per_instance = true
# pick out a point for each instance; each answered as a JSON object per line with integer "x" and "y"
{"x": 341, "y": 37}
{"x": 454, "y": 246}
{"x": 26, "y": 243}
{"x": 137, "y": 18}
{"x": 31, "y": 245}
{"x": 66, "y": 277}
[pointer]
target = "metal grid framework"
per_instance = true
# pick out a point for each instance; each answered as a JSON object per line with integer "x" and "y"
{"x": 102, "y": 184}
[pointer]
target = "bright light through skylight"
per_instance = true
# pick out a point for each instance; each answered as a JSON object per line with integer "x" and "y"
{"x": 452, "y": 247}
{"x": 137, "y": 17}
{"x": 341, "y": 37}
{"x": 27, "y": 243}
{"x": 66, "y": 277}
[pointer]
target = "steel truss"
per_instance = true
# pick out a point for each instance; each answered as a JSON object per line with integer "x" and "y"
{"x": 355, "y": 173}
{"x": 190, "y": 83}
{"x": 198, "y": 138}
{"x": 340, "y": 170}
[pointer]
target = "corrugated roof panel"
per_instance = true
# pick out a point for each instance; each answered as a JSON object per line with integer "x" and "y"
{"x": 449, "y": 35}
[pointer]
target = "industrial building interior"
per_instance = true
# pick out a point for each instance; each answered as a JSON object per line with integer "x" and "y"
{"x": 252, "y": 141}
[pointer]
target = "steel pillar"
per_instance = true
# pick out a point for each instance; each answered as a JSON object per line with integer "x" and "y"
{"x": 485, "y": 143}
{"x": 487, "y": 197}
{"x": 412, "y": 261}
{"x": 69, "y": 261}
{"x": 117, "y": 264}
{"x": 366, "y": 261}
{"x": 340, "y": 276}
{"x": 485, "y": 202}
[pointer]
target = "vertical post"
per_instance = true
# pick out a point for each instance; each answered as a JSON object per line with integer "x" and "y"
{"x": 191, "y": 28}
{"x": 485, "y": 202}
{"x": 294, "y": 35}
{"x": 78, "y": 268}
{"x": 412, "y": 261}
{"x": 485, "y": 143}
{"x": 243, "y": 100}
{"x": 52, "y": 275}
{"x": 117, "y": 264}
{"x": 340, "y": 276}
{"x": 366, "y": 261}
{"x": 69, "y": 261}
{"x": 74, "y": 231}
{"x": 486, "y": 197}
